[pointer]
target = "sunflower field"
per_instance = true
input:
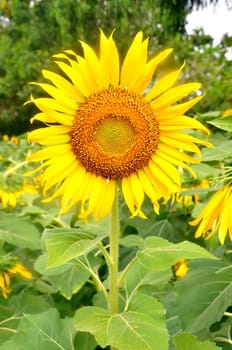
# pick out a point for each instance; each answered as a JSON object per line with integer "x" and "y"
{"x": 115, "y": 179}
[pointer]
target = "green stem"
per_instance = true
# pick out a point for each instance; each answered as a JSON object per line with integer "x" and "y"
{"x": 113, "y": 267}
{"x": 113, "y": 270}
{"x": 16, "y": 167}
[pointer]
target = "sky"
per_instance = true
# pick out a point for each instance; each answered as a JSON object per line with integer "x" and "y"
{"x": 215, "y": 20}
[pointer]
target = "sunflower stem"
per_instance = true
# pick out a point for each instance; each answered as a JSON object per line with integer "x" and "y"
{"x": 113, "y": 268}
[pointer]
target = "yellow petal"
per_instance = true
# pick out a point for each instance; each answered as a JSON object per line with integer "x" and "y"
{"x": 109, "y": 59}
{"x": 180, "y": 122}
{"x": 179, "y": 109}
{"x": 50, "y": 103}
{"x": 103, "y": 208}
{"x": 77, "y": 74}
{"x": 60, "y": 168}
{"x": 173, "y": 95}
{"x": 51, "y": 135}
{"x": 64, "y": 85}
{"x": 49, "y": 152}
{"x": 168, "y": 168}
{"x": 59, "y": 96}
{"x": 134, "y": 61}
{"x": 140, "y": 83}
{"x": 163, "y": 84}
{"x": 149, "y": 190}
{"x": 138, "y": 194}
{"x": 94, "y": 67}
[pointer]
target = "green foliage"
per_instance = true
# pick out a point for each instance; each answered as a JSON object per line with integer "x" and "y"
{"x": 64, "y": 305}
{"x": 32, "y": 33}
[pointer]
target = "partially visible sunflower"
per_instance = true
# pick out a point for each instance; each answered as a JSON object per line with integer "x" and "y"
{"x": 180, "y": 268}
{"x": 7, "y": 274}
{"x": 110, "y": 125}
{"x": 216, "y": 216}
{"x": 189, "y": 199}
{"x": 227, "y": 113}
{"x": 10, "y": 197}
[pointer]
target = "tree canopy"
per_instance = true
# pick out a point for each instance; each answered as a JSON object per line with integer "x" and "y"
{"x": 32, "y": 31}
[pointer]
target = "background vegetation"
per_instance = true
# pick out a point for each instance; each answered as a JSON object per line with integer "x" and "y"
{"x": 32, "y": 31}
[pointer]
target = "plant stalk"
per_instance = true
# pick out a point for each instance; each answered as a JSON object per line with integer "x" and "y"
{"x": 113, "y": 267}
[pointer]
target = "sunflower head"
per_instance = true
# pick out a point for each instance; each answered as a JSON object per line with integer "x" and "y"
{"x": 105, "y": 127}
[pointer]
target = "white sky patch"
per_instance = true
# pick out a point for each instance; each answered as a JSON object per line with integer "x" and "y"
{"x": 215, "y": 20}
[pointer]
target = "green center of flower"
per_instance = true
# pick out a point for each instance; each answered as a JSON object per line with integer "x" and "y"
{"x": 114, "y": 133}
{"x": 113, "y": 136}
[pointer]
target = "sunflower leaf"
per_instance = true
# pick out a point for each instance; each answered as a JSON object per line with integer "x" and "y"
{"x": 188, "y": 341}
{"x": 67, "y": 278}
{"x": 160, "y": 254}
{"x": 65, "y": 244}
{"x": 208, "y": 286}
{"x": 45, "y": 331}
{"x": 19, "y": 231}
{"x": 134, "y": 329}
{"x": 153, "y": 264}
{"x": 222, "y": 123}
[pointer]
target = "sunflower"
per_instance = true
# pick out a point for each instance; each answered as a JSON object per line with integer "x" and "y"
{"x": 7, "y": 274}
{"x": 216, "y": 216}
{"x": 107, "y": 128}
{"x": 190, "y": 199}
{"x": 10, "y": 197}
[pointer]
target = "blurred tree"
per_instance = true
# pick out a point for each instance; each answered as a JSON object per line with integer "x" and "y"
{"x": 174, "y": 12}
{"x": 31, "y": 31}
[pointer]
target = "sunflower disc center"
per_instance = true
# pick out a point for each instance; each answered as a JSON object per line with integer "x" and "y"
{"x": 114, "y": 133}
{"x": 114, "y": 136}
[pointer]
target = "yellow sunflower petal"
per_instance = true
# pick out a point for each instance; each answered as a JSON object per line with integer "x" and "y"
{"x": 59, "y": 96}
{"x": 178, "y": 109}
{"x": 63, "y": 85}
{"x": 140, "y": 83}
{"x": 149, "y": 190}
{"x": 134, "y": 61}
{"x": 95, "y": 194}
{"x": 94, "y": 67}
{"x": 109, "y": 59}
{"x": 60, "y": 168}
{"x": 75, "y": 73}
{"x": 138, "y": 194}
{"x": 49, "y": 152}
{"x": 177, "y": 158}
{"x": 50, "y": 136}
{"x": 179, "y": 123}
{"x": 103, "y": 208}
{"x": 173, "y": 95}
{"x": 163, "y": 84}
{"x": 50, "y": 103}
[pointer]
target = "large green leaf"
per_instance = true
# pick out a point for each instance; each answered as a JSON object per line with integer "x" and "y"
{"x": 218, "y": 153}
{"x": 153, "y": 265}
{"x": 161, "y": 254}
{"x": 43, "y": 331}
{"x": 140, "y": 276}
{"x": 19, "y": 231}
{"x": 69, "y": 277}
{"x": 205, "y": 171}
{"x": 65, "y": 244}
{"x": 12, "y": 310}
{"x": 84, "y": 341}
{"x": 186, "y": 341}
{"x": 222, "y": 123}
{"x": 134, "y": 329}
{"x": 207, "y": 286}
{"x": 94, "y": 320}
